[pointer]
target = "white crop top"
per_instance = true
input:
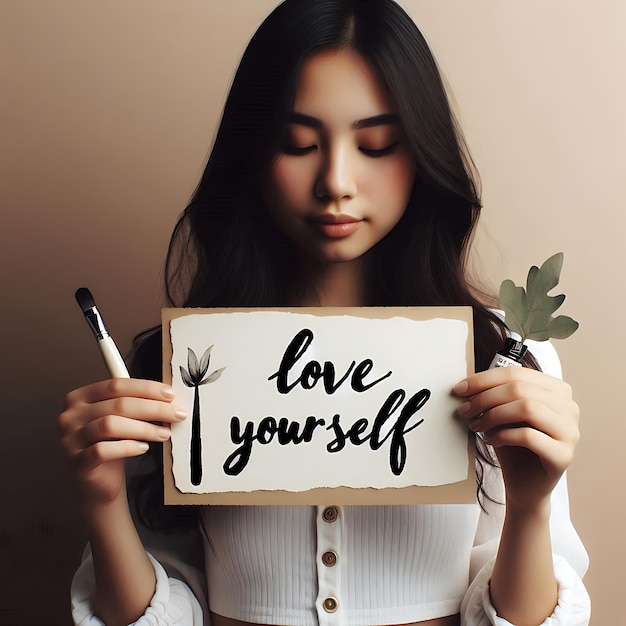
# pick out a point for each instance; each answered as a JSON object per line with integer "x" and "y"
{"x": 336, "y": 566}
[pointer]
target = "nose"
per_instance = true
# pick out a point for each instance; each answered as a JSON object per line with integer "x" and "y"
{"x": 337, "y": 178}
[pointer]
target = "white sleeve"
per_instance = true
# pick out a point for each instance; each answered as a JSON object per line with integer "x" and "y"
{"x": 569, "y": 555}
{"x": 173, "y": 603}
{"x": 180, "y": 597}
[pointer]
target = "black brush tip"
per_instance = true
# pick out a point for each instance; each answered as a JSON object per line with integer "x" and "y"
{"x": 85, "y": 299}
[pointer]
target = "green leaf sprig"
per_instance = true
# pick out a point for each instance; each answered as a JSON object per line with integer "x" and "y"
{"x": 528, "y": 312}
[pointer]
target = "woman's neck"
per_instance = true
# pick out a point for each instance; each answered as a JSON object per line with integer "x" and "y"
{"x": 336, "y": 284}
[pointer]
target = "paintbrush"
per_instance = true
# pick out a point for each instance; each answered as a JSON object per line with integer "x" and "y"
{"x": 111, "y": 355}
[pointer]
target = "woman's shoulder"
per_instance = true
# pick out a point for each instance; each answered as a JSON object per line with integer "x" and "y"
{"x": 546, "y": 356}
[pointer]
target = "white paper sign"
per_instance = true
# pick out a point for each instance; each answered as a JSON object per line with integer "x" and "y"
{"x": 294, "y": 402}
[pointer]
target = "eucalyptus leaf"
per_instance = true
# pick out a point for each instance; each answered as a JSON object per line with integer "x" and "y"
{"x": 562, "y": 326}
{"x": 543, "y": 279}
{"x": 537, "y": 322}
{"x": 528, "y": 312}
{"x": 552, "y": 303}
{"x": 513, "y": 301}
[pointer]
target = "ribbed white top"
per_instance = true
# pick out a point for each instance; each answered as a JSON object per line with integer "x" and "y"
{"x": 394, "y": 564}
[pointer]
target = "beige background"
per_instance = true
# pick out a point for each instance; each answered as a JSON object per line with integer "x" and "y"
{"x": 107, "y": 111}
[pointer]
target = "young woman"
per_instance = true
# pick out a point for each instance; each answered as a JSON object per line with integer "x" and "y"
{"x": 338, "y": 177}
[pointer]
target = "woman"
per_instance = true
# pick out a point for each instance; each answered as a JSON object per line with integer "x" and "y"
{"x": 338, "y": 178}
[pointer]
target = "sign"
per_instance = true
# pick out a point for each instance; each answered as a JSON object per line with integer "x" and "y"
{"x": 318, "y": 405}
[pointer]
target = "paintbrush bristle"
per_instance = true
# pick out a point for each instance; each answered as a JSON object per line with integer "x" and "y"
{"x": 85, "y": 299}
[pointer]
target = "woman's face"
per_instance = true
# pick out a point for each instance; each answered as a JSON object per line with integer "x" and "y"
{"x": 343, "y": 177}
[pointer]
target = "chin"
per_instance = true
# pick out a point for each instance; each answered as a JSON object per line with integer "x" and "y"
{"x": 338, "y": 256}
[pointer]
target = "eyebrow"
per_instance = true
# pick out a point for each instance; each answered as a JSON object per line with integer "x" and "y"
{"x": 376, "y": 120}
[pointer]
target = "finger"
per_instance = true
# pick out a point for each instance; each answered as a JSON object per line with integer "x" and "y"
{"x": 120, "y": 387}
{"x": 477, "y": 383}
{"x": 555, "y": 455}
{"x": 511, "y": 392}
{"x": 531, "y": 413}
{"x": 105, "y": 451}
{"x": 139, "y": 409}
{"x": 114, "y": 427}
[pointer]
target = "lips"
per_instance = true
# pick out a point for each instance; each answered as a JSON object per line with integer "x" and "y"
{"x": 335, "y": 226}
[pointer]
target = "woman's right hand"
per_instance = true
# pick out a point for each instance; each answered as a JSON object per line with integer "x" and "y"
{"x": 107, "y": 422}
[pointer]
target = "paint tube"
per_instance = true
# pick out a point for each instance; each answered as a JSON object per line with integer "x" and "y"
{"x": 510, "y": 355}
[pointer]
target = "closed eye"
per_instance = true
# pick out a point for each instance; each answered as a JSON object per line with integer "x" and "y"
{"x": 380, "y": 152}
{"x": 297, "y": 150}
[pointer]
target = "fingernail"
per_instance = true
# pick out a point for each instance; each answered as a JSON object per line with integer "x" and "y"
{"x": 180, "y": 413}
{"x": 474, "y": 425}
{"x": 461, "y": 387}
{"x": 464, "y": 409}
{"x": 167, "y": 392}
{"x": 143, "y": 446}
{"x": 163, "y": 433}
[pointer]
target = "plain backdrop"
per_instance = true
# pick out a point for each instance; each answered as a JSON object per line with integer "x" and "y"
{"x": 107, "y": 112}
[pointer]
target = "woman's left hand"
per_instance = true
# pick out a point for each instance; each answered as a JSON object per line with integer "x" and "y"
{"x": 531, "y": 421}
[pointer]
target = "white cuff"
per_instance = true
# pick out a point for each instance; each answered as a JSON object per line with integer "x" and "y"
{"x": 573, "y": 607}
{"x": 173, "y": 603}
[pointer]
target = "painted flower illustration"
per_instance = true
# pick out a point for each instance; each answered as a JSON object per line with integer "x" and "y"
{"x": 193, "y": 376}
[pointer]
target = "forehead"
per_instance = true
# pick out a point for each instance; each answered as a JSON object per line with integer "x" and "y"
{"x": 337, "y": 85}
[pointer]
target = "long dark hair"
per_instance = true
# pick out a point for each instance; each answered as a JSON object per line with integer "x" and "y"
{"x": 227, "y": 252}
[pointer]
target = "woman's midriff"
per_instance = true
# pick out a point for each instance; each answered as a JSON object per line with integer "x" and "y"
{"x": 451, "y": 620}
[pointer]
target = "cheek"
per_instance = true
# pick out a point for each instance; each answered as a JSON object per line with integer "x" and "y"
{"x": 287, "y": 182}
{"x": 395, "y": 181}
